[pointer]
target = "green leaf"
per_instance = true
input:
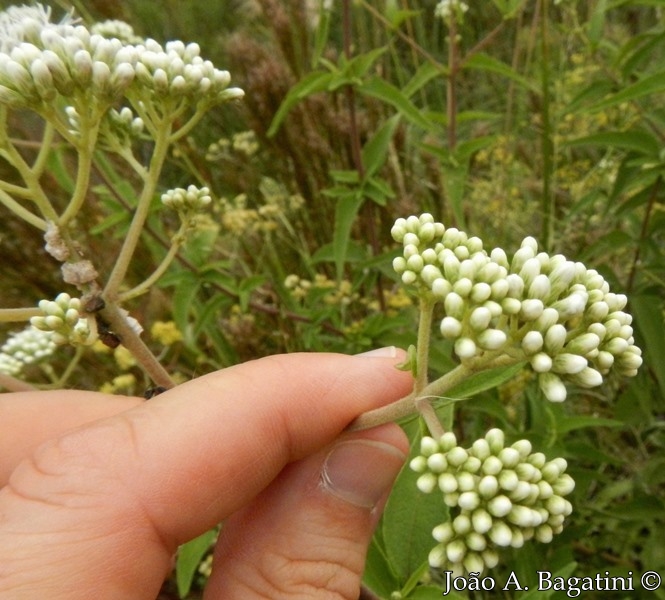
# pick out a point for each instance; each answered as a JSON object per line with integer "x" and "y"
{"x": 189, "y": 557}
{"x": 378, "y": 575}
{"x": 597, "y": 23}
{"x": 454, "y": 184}
{"x": 567, "y": 424}
{"x": 648, "y": 313}
{"x": 425, "y": 73}
{"x": 485, "y": 380}
{"x": 653, "y": 84}
{"x": 484, "y": 62}
{"x": 388, "y": 93}
{"x": 408, "y": 519}
{"x": 346, "y": 211}
{"x": 537, "y": 594}
{"x": 317, "y": 81}
{"x": 638, "y": 141}
{"x": 376, "y": 148}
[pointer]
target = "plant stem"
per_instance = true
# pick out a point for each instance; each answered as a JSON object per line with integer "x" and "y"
{"x": 143, "y": 206}
{"x": 16, "y": 315}
{"x": 548, "y": 206}
{"x": 131, "y": 340}
{"x": 406, "y": 406}
{"x": 144, "y": 286}
{"x": 423, "y": 404}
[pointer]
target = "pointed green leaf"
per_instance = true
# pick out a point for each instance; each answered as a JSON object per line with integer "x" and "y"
{"x": 374, "y": 152}
{"x": 425, "y": 73}
{"x": 653, "y": 84}
{"x": 346, "y": 211}
{"x": 485, "y": 380}
{"x": 189, "y": 557}
{"x": 408, "y": 519}
{"x": 638, "y": 141}
{"x": 484, "y": 62}
{"x": 317, "y": 81}
{"x": 388, "y": 93}
{"x": 648, "y": 313}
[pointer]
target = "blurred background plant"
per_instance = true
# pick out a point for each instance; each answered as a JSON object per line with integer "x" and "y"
{"x": 506, "y": 119}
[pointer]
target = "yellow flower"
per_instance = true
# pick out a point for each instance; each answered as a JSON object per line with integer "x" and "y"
{"x": 165, "y": 332}
{"x": 124, "y": 358}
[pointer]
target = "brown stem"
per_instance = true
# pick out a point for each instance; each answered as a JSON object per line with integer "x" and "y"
{"x": 655, "y": 190}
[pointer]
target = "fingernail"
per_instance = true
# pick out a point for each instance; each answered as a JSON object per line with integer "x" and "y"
{"x": 387, "y": 352}
{"x": 361, "y": 471}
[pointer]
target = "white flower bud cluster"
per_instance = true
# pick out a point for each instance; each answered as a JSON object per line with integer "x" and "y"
{"x": 191, "y": 199}
{"x": 500, "y": 496}
{"x": 42, "y": 60}
{"x": 555, "y": 313}
{"x": 446, "y": 8}
{"x": 177, "y": 71}
{"x": 114, "y": 28}
{"x": 24, "y": 348}
{"x": 62, "y": 317}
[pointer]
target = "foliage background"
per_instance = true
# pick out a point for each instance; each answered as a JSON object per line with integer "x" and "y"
{"x": 543, "y": 118}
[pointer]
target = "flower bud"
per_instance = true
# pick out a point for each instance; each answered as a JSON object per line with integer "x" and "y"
{"x": 568, "y": 364}
{"x": 508, "y": 480}
{"x": 463, "y": 287}
{"x": 443, "y": 533}
{"x": 501, "y": 534}
{"x": 441, "y": 288}
{"x": 488, "y": 486}
{"x": 480, "y": 318}
{"x": 583, "y": 344}
{"x": 426, "y": 483}
{"x": 564, "y": 485}
{"x": 475, "y": 541}
{"x": 428, "y": 446}
{"x": 399, "y": 265}
{"x": 437, "y": 463}
{"x": 552, "y": 387}
{"x": 481, "y": 521}
{"x": 541, "y": 362}
{"x": 544, "y": 533}
{"x": 447, "y": 441}
{"x": 555, "y": 338}
{"x": 588, "y": 378}
{"x": 465, "y": 481}
{"x": 532, "y": 342}
{"x": 437, "y": 556}
{"x": 415, "y": 263}
{"x": 499, "y": 289}
{"x": 455, "y": 551}
{"x": 480, "y": 292}
{"x": 447, "y": 483}
{"x": 465, "y": 348}
{"x": 418, "y": 464}
{"x": 509, "y": 457}
{"x": 454, "y": 305}
{"x": 468, "y": 501}
{"x": 515, "y": 286}
{"x": 451, "y": 328}
{"x": 511, "y": 306}
{"x": 456, "y": 456}
{"x": 492, "y": 466}
{"x": 492, "y": 339}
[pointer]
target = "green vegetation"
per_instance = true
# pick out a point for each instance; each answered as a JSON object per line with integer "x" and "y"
{"x": 521, "y": 118}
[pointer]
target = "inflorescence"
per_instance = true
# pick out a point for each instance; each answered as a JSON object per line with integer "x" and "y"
{"x": 554, "y": 313}
{"x": 500, "y": 496}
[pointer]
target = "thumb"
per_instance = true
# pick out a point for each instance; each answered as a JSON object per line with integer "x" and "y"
{"x": 306, "y": 535}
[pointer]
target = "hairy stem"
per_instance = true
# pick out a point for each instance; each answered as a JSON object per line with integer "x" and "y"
{"x": 131, "y": 340}
{"x": 133, "y": 234}
{"x": 16, "y": 315}
{"x": 12, "y": 384}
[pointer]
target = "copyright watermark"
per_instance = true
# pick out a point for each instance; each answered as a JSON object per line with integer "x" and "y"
{"x": 572, "y": 586}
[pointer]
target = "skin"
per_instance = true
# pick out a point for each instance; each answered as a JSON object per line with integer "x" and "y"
{"x": 98, "y": 491}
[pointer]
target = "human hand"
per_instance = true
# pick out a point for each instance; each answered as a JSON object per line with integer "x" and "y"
{"x": 100, "y": 510}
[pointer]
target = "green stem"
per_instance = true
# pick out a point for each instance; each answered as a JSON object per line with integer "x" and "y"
{"x": 144, "y": 286}
{"x": 44, "y": 150}
{"x": 423, "y": 404}
{"x": 142, "y": 209}
{"x": 22, "y": 212}
{"x": 437, "y": 389}
{"x": 85, "y": 148}
{"x": 118, "y": 323}
{"x": 548, "y": 206}
{"x": 16, "y": 315}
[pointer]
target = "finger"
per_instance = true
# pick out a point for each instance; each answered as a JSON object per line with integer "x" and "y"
{"x": 306, "y": 535}
{"x": 30, "y": 418}
{"x": 157, "y": 475}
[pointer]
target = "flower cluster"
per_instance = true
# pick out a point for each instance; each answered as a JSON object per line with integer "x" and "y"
{"x": 446, "y": 8}
{"x": 41, "y": 60}
{"x": 554, "y": 313}
{"x": 24, "y": 348}
{"x": 500, "y": 496}
{"x": 62, "y": 317}
{"x": 187, "y": 200}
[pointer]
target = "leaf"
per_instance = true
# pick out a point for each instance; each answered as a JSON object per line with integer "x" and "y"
{"x": 484, "y": 62}
{"x": 408, "y": 519}
{"x": 648, "y": 313}
{"x": 425, "y": 73}
{"x": 388, "y": 93}
{"x": 346, "y": 210}
{"x": 378, "y": 574}
{"x": 376, "y": 148}
{"x": 189, "y": 557}
{"x": 597, "y": 23}
{"x": 454, "y": 184}
{"x": 638, "y": 141}
{"x": 653, "y": 84}
{"x": 317, "y": 81}
{"x": 485, "y": 380}
{"x": 567, "y": 424}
